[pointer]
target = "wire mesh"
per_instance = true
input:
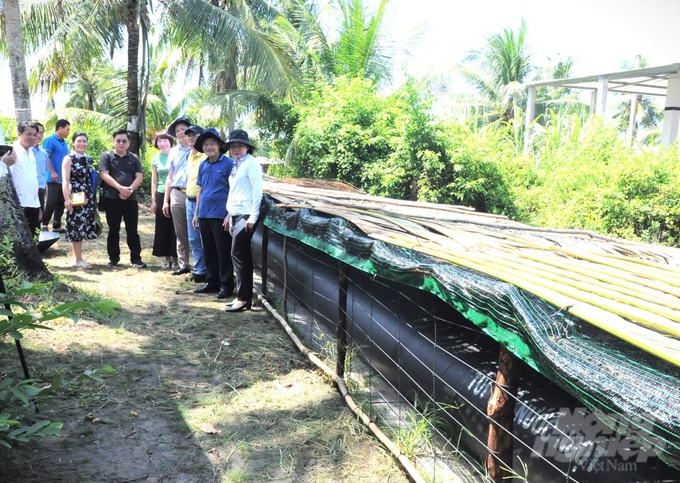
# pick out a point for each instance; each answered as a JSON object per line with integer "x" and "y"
{"x": 424, "y": 371}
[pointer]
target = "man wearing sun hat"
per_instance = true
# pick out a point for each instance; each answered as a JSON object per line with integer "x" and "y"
{"x": 175, "y": 191}
{"x": 211, "y": 209}
{"x": 243, "y": 207}
{"x": 193, "y": 161}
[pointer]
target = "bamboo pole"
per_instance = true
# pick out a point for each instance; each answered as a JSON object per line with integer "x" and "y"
{"x": 342, "y": 387}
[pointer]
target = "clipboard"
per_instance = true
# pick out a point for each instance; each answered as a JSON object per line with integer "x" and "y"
{"x": 236, "y": 229}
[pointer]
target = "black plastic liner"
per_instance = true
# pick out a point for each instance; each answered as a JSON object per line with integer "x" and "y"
{"x": 630, "y": 390}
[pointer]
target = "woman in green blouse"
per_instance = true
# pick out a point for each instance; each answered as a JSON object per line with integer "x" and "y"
{"x": 164, "y": 241}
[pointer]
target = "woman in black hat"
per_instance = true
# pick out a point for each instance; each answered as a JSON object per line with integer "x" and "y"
{"x": 211, "y": 209}
{"x": 243, "y": 206}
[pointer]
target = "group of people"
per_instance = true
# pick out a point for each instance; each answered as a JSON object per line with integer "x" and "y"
{"x": 200, "y": 197}
{"x": 206, "y": 196}
{"x": 36, "y": 173}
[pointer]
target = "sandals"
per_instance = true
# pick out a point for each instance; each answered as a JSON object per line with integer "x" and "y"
{"x": 82, "y": 264}
{"x": 166, "y": 266}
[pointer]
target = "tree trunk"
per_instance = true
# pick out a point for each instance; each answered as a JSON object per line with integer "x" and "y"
{"x": 14, "y": 226}
{"x": 133, "y": 74}
{"x": 17, "y": 61}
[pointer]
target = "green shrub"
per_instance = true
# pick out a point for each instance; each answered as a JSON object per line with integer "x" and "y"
{"x": 645, "y": 201}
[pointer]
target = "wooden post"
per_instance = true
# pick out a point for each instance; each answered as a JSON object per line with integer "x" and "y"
{"x": 8, "y": 308}
{"x": 285, "y": 278}
{"x": 341, "y": 329}
{"x": 501, "y": 412}
{"x": 265, "y": 255}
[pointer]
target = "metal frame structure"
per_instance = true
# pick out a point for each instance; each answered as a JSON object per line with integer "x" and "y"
{"x": 653, "y": 81}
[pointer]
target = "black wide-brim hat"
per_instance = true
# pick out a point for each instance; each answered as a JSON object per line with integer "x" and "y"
{"x": 196, "y": 129}
{"x": 179, "y": 120}
{"x": 211, "y": 132}
{"x": 239, "y": 136}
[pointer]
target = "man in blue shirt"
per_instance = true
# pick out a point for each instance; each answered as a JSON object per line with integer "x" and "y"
{"x": 211, "y": 209}
{"x": 57, "y": 150}
{"x": 41, "y": 164}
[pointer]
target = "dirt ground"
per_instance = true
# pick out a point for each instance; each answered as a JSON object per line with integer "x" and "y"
{"x": 198, "y": 395}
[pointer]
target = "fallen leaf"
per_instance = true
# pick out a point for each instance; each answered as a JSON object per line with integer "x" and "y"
{"x": 89, "y": 417}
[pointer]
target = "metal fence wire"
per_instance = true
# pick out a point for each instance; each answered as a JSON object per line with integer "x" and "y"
{"x": 415, "y": 352}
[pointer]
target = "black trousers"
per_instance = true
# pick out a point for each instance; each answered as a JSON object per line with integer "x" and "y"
{"x": 54, "y": 205}
{"x": 242, "y": 257}
{"x": 33, "y": 217}
{"x": 41, "y": 197}
{"x": 118, "y": 210}
{"x": 164, "y": 239}
{"x": 217, "y": 252}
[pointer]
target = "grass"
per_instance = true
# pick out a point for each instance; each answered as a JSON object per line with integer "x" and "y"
{"x": 273, "y": 416}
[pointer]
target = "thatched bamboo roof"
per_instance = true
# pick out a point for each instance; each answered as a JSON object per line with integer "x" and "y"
{"x": 628, "y": 289}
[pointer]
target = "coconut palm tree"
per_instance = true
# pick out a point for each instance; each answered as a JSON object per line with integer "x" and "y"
{"x": 504, "y": 64}
{"x": 14, "y": 225}
{"x": 14, "y": 38}
{"x": 648, "y": 117}
{"x": 360, "y": 50}
{"x": 648, "y": 114}
{"x": 70, "y": 34}
{"x": 241, "y": 48}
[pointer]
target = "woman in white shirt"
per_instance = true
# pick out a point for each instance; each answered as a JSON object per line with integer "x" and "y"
{"x": 243, "y": 213}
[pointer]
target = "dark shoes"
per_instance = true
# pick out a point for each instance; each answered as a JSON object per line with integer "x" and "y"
{"x": 181, "y": 271}
{"x": 207, "y": 288}
{"x": 112, "y": 264}
{"x": 225, "y": 293}
{"x": 197, "y": 278}
{"x": 138, "y": 264}
{"x": 239, "y": 306}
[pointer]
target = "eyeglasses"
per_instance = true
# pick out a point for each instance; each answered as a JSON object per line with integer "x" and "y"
{"x": 122, "y": 141}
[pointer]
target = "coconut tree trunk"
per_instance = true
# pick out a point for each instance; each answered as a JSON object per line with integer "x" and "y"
{"x": 17, "y": 61}
{"x": 133, "y": 26}
{"x": 14, "y": 226}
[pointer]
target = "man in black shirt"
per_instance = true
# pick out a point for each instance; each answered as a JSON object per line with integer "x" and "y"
{"x": 121, "y": 171}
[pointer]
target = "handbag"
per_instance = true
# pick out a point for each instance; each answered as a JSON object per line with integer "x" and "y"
{"x": 78, "y": 199}
{"x": 94, "y": 179}
{"x": 101, "y": 206}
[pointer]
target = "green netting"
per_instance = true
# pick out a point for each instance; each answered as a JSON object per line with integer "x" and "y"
{"x": 608, "y": 375}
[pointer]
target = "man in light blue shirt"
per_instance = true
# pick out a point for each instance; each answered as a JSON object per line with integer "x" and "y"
{"x": 41, "y": 164}
{"x": 176, "y": 191}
